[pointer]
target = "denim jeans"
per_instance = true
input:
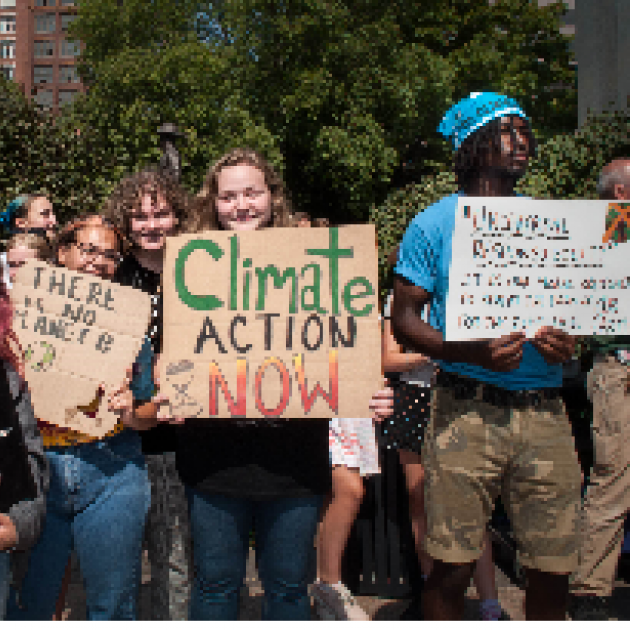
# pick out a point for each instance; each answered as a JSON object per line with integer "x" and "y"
{"x": 285, "y": 531}
{"x": 98, "y": 502}
{"x": 5, "y": 580}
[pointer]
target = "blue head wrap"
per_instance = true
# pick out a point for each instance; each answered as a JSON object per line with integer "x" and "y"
{"x": 6, "y": 217}
{"x": 474, "y": 112}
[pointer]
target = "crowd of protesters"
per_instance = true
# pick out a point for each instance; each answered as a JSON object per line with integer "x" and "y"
{"x": 470, "y": 421}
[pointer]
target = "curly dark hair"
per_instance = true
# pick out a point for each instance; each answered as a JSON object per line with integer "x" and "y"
{"x": 127, "y": 196}
{"x": 203, "y": 215}
{"x": 470, "y": 157}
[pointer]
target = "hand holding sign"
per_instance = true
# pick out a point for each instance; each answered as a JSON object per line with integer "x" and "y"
{"x": 503, "y": 354}
{"x": 120, "y": 401}
{"x": 556, "y": 346}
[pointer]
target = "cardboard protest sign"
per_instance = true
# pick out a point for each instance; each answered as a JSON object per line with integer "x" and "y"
{"x": 520, "y": 264}
{"x": 77, "y": 331}
{"x": 279, "y": 323}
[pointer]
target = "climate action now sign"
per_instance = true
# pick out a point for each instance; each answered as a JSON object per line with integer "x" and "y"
{"x": 279, "y": 323}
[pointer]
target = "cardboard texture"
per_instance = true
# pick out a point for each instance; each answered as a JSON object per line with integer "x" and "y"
{"x": 279, "y": 323}
{"x": 77, "y": 331}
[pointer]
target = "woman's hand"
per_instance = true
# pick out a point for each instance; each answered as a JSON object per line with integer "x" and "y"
{"x": 164, "y": 410}
{"x": 120, "y": 400}
{"x": 161, "y": 400}
{"x": 382, "y": 404}
{"x": 8, "y": 533}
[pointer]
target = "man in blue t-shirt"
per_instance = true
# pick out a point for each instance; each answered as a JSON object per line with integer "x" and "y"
{"x": 498, "y": 425}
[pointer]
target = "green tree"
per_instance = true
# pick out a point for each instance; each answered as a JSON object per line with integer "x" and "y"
{"x": 110, "y": 27}
{"x": 351, "y": 91}
{"x": 354, "y": 90}
{"x": 185, "y": 83}
{"x": 40, "y": 153}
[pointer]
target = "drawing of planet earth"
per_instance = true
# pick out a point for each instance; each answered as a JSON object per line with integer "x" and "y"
{"x": 40, "y": 357}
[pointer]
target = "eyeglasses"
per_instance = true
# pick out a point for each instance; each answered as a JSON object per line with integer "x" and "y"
{"x": 110, "y": 257}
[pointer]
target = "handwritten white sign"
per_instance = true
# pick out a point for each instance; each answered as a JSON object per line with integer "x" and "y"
{"x": 520, "y": 264}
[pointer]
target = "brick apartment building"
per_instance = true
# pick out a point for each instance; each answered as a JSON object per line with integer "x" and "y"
{"x": 35, "y": 51}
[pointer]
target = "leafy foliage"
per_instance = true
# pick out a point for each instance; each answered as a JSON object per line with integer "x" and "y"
{"x": 354, "y": 90}
{"x": 39, "y": 153}
{"x": 568, "y": 165}
{"x": 141, "y": 88}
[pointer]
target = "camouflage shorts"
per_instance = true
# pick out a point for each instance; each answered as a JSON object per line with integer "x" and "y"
{"x": 476, "y": 451}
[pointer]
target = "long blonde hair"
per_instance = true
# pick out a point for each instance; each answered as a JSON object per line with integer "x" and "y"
{"x": 203, "y": 215}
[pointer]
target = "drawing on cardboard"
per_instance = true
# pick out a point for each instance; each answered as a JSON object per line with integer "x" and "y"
{"x": 181, "y": 375}
{"x": 40, "y": 356}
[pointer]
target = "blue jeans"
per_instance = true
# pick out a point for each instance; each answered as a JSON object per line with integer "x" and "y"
{"x": 5, "y": 580}
{"x": 285, "y": 531}
{"x": 98, "y": 500}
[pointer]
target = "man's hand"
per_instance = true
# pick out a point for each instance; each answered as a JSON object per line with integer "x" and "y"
{"x": 8, "y": 533}
{"x": 554, "y": 344}
{"x": 503, "y": 354}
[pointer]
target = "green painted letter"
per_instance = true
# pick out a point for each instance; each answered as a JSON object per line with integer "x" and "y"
{"x": 196, "y": 302}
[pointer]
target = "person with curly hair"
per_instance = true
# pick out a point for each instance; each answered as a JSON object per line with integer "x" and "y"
{"x": 147, "y": 207}
{"x": 99, "y": 489}
{"x": 242, "y": 472}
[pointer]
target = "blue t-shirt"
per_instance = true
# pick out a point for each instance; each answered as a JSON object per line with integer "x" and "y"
{"x": 424, "y": 259}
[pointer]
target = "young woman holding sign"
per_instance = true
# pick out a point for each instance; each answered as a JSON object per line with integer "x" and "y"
{"x": 239, "y": 473}
{"x": 99, "y": 491}
{"x": 147, "y": 207}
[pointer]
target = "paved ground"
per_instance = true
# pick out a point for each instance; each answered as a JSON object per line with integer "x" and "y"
{"x": 511, "y": 598}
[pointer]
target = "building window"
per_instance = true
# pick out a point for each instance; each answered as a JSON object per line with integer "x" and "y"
{"x": 45, "y": 3}
{"x": 44, "y": 98}
{"x": 7, "y": 72}
{"x": 70, "y": 48}
{"x": 68, "y": 74}
{"x": 7, "y": 49}
{"x": 67, "y": 3}
{"x": 42, "y": 74}
{"x": 45, "y": 23}
{"x": 66, "y": 20}
{"x": 44, "y": 48}
{"x": 7, "y": 4}
{"x": 7, "y": 24}
{"x": 67, "y": 96}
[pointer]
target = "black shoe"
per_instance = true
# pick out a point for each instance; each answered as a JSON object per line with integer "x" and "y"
{"x": 413, "y": 612}
{"x": 589, "y": 608}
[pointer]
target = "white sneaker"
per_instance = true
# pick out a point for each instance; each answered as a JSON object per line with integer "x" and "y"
{"x": 334, "y": 602}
